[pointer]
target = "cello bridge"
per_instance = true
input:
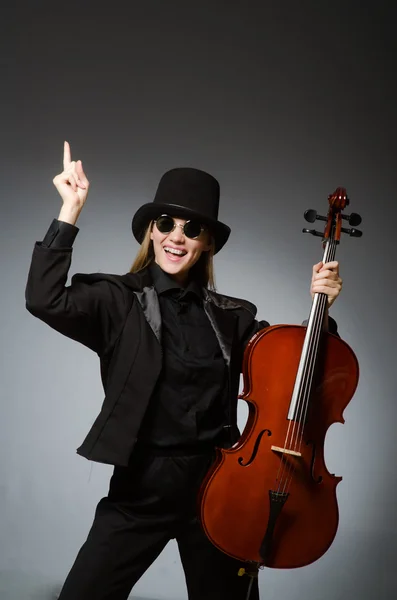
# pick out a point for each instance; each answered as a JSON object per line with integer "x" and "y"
{"x": 285, "y": 451}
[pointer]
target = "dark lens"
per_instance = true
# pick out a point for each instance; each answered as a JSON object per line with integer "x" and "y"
{"x": 193, "y": 229}
{"x": 165, "y": 223}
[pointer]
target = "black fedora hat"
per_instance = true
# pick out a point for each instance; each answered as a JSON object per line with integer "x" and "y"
{"x": 186, "y": 193}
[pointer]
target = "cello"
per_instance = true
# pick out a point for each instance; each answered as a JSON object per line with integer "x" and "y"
{"x": 269, "y": 500}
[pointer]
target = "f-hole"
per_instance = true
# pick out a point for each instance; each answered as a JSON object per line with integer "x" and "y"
{"x": 255, "y": 450}
{"x": 320, "y": 478}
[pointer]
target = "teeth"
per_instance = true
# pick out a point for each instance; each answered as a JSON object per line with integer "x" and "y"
{"x": 174, "y": 251}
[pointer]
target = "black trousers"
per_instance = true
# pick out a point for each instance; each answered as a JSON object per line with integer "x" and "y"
{"x": 150, "y": 502}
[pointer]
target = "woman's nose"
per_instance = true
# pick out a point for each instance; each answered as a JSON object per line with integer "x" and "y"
{"x": 177, "y": 234}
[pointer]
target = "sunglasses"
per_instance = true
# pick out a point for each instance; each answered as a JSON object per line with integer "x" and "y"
{"x": 191, "y": 229}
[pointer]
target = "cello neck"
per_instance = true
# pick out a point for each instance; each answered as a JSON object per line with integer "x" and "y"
{"x": 304, "y": 378}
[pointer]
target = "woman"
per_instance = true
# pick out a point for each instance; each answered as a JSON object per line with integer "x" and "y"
{"x": 171, "y": 352}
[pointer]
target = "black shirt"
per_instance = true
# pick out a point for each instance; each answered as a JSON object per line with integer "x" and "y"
{"x": 189, "y": 402}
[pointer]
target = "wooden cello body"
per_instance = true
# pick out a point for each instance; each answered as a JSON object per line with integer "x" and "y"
{"x": 270, "y": 499}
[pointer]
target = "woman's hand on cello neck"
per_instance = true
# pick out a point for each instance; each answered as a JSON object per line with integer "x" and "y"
{"x": 326, "y": 280}
{"x": 72, "y": 185}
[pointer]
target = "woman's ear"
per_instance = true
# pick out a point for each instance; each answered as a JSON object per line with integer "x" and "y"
{"x": 210, "y": 243}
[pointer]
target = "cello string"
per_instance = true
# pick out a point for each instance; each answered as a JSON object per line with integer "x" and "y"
{"x": 310, "y": 368}
{"x": 307, "y": 375}
{"x": 293, "y": 425}
{"x": 315, "y": 340}
{"x": 297, "y": 430}
{"x": 304, "y": 391}
{"x": 311, "y": 362}
{"x": 297, "y": 426}
{"x": 295, "y": 441}
{"x": 283, "y": 464}
{"x": 313, "y": 354}
{"x": 293, "y": 431}
{"x": 291, "y": 435}
{"x": 330, "y": 256}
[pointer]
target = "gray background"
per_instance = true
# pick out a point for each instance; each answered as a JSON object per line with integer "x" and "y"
{"x": 282, "y": 102}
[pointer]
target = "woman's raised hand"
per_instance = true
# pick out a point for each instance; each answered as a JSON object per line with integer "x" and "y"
{"x": 72, "y": 185}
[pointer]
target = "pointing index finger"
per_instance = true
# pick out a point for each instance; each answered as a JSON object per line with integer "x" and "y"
{"x": 67, "y": 158}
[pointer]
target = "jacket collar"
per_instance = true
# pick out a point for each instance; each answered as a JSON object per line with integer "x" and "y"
{"x": 137, "y": 281}
{"x": 218, "y": 308}
{"x": 164, "y": 283}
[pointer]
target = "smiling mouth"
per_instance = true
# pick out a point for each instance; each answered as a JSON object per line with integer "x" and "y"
{"x": 174, "y": 254}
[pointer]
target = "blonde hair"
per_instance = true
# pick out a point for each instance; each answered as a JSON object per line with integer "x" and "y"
{"x": 202, "y": 271}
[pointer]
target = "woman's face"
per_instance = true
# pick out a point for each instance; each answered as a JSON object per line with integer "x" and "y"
{"x": 175, "y": 253}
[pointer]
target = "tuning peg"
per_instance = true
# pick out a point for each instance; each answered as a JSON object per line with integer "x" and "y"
{"x": 354, "y": 219}
{"x": 313, "y": 232}
{"x": 352, "y": 232}
{"x": 311, "y": 215}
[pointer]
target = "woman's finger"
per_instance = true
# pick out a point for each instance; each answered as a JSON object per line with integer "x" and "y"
{"x": 71, "y": 179}
{"x": 317, "y": 267}
{"x": 332, "y": 265}
{"x": 67, "y": 158}
{"x": 325, "y": 274}
{"x": 81, "y": 175}
{"x": 73, "y": 169}
{"x": 326, "y": 282}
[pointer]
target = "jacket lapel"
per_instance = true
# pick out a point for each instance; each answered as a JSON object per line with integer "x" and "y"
{"x": 149, "y": 302}
{"x": 142, "y": 286}
{"x": 223, "y": 323}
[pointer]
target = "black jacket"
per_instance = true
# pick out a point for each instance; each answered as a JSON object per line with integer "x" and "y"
{"x": 118, "y": 316}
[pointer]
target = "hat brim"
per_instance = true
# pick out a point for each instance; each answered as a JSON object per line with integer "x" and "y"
{"x": 150, "y": 211}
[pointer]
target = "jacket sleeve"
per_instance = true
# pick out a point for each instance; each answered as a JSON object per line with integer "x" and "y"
{"x": 252, "y": 329}
{"x": 60, "y": 235}
{"x": 91, "y": 310}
